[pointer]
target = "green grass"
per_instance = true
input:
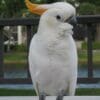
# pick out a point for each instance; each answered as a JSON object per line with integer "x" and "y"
{"x": 19, "y": 54}
{"x": 20, "y": 58}
{"x": 96, "y": 45}
{"x": 12, "y": 92}
{"x": 15, "y": 57}
{"x": 82, "y": 56}
{"x": 88, "y": 92}
{"x": 20, "y": 48}
{"x": 79, "y": 92}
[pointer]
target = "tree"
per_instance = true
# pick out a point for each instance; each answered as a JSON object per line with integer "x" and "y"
{"x": 92, "y": 6}
{"x": 87, "y": 9}
{"x": 11, "y": 8}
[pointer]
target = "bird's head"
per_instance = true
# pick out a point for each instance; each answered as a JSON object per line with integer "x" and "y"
{"x": 59, "y": 14}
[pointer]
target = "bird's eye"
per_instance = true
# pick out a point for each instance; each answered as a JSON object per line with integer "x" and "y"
{"x": 58, "y": 17}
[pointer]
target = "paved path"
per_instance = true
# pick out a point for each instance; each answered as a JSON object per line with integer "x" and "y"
{"x": 52, "y": 98}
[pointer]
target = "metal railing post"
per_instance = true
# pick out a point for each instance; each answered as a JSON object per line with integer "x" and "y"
{"x": 89, "y": 51}
{"x": 1, "y": 52}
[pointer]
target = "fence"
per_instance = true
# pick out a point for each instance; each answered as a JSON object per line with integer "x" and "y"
{"x": 29, "y": 23}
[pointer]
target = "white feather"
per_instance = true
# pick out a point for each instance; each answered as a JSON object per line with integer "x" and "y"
{"x": 52, "y": 54}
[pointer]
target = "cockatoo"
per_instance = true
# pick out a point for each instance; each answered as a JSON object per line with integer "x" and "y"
{"x": 52, "y": 52}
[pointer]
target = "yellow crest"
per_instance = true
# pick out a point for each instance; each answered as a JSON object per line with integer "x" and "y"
{"x": 35, "y": 8}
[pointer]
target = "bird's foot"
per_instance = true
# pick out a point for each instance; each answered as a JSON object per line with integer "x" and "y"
{"x": 61, "y": 95}
{"x": 42, "y": 96}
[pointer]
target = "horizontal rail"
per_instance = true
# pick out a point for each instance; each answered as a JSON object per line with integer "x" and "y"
{"x": 18, "y": 21}
{"x": 83, "y": 19}
{"x": 29, "y": 81}
{"x": 88, "y": 80}
{"x": 16, "y": 81}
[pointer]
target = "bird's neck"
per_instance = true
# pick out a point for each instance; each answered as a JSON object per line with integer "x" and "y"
{"x": 54, "y": 31}
{"x": 45, "y": 29}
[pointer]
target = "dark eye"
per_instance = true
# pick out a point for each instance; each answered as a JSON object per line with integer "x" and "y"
{"x": 58, "y": 17}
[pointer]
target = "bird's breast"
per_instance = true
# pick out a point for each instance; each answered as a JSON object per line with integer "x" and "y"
{"x": 58, "y": 49}
{"x": 55, "y": 50}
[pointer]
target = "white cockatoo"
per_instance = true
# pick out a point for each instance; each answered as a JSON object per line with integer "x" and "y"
{"x": 52, "y": 52}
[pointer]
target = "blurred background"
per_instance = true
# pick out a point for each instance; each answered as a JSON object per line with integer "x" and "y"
{"x": 15, "y": 45}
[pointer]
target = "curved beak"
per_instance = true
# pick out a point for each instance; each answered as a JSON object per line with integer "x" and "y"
{"x": 35, "y": 8}
{"x": 72, "y": 21}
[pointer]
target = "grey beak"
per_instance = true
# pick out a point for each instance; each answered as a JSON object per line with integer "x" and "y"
{"x": 72, "y": 21}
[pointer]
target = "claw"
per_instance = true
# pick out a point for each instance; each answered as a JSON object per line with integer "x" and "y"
{"x": 59, "y": 98}
{"x": 42, "y": 96}
{"x": 61, "y": 95}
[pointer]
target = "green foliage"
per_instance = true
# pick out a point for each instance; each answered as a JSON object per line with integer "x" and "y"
{"x": 87, "y": 8}
{"x": 17, "y": 8}
{"x": 98, "y": 10}
{"x": 15, "y": 57}
{"x": 11, "y": 8}
{"x": 20, "y": 48}
{"x": 96, "y": 45}
{"x": 96, "y": 2}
